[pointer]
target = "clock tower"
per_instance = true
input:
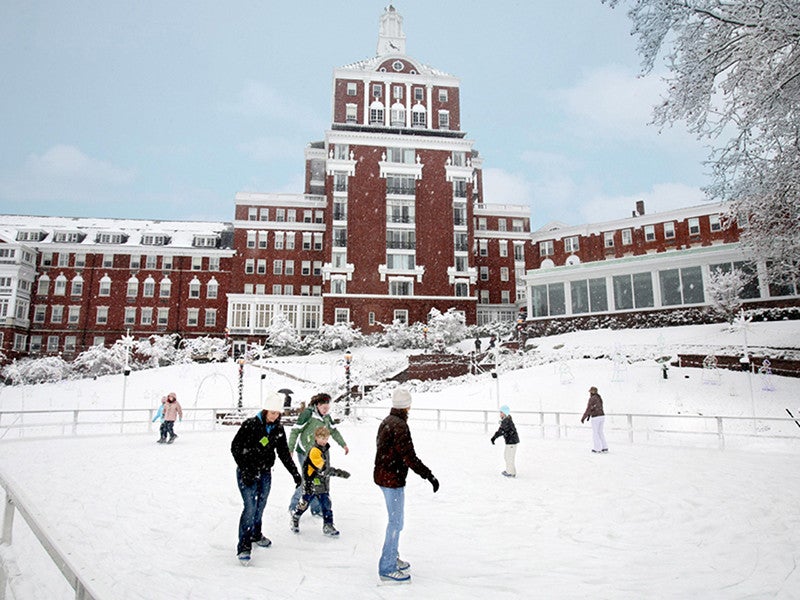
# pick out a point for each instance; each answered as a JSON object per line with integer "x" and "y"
{"x": 391, "y": 39}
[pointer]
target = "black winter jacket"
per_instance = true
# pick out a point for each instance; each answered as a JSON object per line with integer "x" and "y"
{"x": 508, "y": 430}
{"x": 254, "y": 446}
{"x": 316, "y": 478}
{"x": 395, "y": 453}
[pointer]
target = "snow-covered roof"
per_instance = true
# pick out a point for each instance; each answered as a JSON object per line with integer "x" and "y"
{"x": 89, "y": 231}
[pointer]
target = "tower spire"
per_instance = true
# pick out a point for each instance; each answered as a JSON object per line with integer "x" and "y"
{"x": 391, "y": 39}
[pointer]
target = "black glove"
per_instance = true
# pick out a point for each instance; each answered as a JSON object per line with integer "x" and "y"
{"x": 434, "y": 483}
{"x": 493, "y": 441}
{"x": 343, "y": 474}
{"x": 298, "y": 481}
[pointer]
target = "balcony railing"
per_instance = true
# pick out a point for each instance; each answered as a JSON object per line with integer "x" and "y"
{"x": 401, "y": 245}
{"x": 401, "y": 190}
{"x": 400, "y": 219}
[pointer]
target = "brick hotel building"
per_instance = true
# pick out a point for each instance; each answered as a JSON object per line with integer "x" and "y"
{"x": 391, "y": 224}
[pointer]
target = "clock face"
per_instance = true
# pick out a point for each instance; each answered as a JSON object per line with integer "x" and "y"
{"x": 398, "y": 65}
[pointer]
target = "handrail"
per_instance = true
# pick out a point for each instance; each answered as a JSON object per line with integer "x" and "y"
{"x": 85, "y": 589}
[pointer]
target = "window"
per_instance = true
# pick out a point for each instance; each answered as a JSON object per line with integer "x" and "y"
{"x": 351, "y": 88}
{"x": 77, "y": 286}
{"x": 505, "y": 297}
{"x": 502, "y": 225}
{"x": 633, "y": 291}
{"x": 482, "y": 224}
{"x": 165, "y": 288}
{"x": 305, "y": 267}
{"x": 149, "y": 288}
{"x": 63, "y": 259}
{"x": 588, "y": 296}
{"x": 681, "y": 286}
{"x": 442, "y": 95}
{"x": 74, "y": 315}
{"x": 38, "y": 313}
{"x": 213, "y": 263}
{"x": 376, "y": 113}
{"x": 546, "y": 248}
{"x": 484, "y": 297}
{"x": 290, "y": 240}
{"x": 291, "y": 215}
{"x": 261, "y": 266}
{"x": 105, "y": 286}
{"x": 444, "y": 119}
{"x": 669, "y": 230}
{"x": 483, "y": 247}
{"x": 548, "y": 300}
{"x": 252, "y": 213}
{"x": 419, "y": 118}
{"x": 627, "y": 237}
{"x": 130, "y": 315}
{"x": 70, "y": 343}
{"x": 249, "y": 266}
{"x": 397, "y": 115}
{"x": 484, "y": 273}
{"x": 192, "y": 317}
{"x": 289, "y": 268}
{"x": 133, "y": 288}
{"x": 102, "y": 315}
{"x": 43, "y": 286}
{"x": 151, "y": 261}
{"x": 194, "y": 288}
{"x": 212, "y": 289}
{"x": 351, "y": 113}
{"x": 163, "y": 317}
{"x": 502, "y": 247}
{"x": 288, "y": 290}
{"x": 462, "y": 289}
{"x": 279, "y": 239}
{"x": 404, "y": 185}
{"x": 649, "y": 233}
{"x": 80, "y": 260}
{"x": 197, "y": 263}
{"x": 571, "y": 244}
{"x": 99, "y": 340}
{"x": 166, "y": 263}
{"x": 503, "y": 273}
{"x": 135, "y": 262}
{"x": 61, "y": 286}
{"x": 146, "y": 316}
{"x": 419, "y": 94}
{"x": 277, "y": 267}
{"x": 211, "y": 317}
{"x": 341, "y": 315}
{"x": 401, "y": 287}
{"x": 251, "y": 239}
{"x": 52, "y": 343}
{"x": 519, "y": 251}
{"x": 694, "y": 226}
{"x": 714, "y": 223}
{"x": 35, "y": 344}
{"x": 400, "y": 315}
{"x": 56, "y": 313}
{"x": 263, "y": 214}
{"x": 608, "y": 239}
{"x": 318, "y": 268}
{"x": 276, "y": 289}
{"x": 377, "y": 90}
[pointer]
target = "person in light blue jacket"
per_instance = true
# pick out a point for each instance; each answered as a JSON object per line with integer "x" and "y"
{"x": 160, "y": 415}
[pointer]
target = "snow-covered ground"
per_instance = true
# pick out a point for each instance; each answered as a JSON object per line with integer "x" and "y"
{"x": 655, "y": 519}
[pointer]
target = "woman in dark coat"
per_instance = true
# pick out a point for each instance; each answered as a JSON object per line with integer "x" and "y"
{"x": 594, "y": 412}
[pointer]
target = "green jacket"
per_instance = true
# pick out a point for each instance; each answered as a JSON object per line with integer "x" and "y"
{"x": 307, "y": 422}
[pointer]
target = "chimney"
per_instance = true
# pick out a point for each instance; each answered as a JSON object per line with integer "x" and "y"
{"x": 640, "y": 207}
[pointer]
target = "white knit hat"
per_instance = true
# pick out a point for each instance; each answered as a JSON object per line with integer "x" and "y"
{"x": 401, "y": 398}
{"x": 273, "y": 401}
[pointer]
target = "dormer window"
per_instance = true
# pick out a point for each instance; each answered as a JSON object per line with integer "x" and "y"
{"x": 69, "y": 237}
{"x": 205, "y": 241}
{"x": 153, "y": 239}
{"x": 111, "y": 238}
{"x": 30, "y": 236}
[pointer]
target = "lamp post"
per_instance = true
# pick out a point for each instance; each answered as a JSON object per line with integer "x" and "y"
{"x": 241, "y": 381}
{"x": 127, "y": 342}
{"x": 347, "y": 359}
{"x": 425, "y": 337}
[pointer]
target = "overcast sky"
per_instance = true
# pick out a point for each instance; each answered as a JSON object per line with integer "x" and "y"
{"x": 164, "y": 110}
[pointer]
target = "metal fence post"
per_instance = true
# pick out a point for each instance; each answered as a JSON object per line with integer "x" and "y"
{"x": 541, "y": 423}
{"x": 75, "y": 422}
{"x": 558, "y": 423}
{"x": 720, "y": 433}
{"x": 630, "y": 428}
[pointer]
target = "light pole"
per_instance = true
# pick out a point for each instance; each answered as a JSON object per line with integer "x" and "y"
{"x": 241, "y": 381}
{"x": 347, "y": 358}
{"x": 425, "y": 338}
{"x": 127, "y": 342}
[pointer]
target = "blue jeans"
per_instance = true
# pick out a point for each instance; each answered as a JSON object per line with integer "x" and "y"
{"x": 255, "y": 500}
{"x": 324, "y": 502}
{"x": 316, "y": 509}
{"x": 395, "y": 503}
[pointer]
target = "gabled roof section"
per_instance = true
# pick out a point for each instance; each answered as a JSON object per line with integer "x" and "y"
{"x": 385, "y": 64}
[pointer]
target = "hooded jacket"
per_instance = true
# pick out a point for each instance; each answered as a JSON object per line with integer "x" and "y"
{"x": 255, "y": 444}
{"x": 395, "y": 453}
{"x": 508, "y": 430}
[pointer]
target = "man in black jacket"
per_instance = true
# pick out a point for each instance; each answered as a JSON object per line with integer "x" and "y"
{"x": 253, "y": 448}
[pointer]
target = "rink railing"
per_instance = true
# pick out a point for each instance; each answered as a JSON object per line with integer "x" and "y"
{"x": 687, "y": 429}
{"x": 723, "y": 431}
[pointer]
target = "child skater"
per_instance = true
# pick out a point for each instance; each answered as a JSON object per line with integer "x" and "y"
{"x": 160, "y": 416}
{"x": 316, "y": 472}
{"x": 509, "y": 432}
{"x": 172, "y": 411}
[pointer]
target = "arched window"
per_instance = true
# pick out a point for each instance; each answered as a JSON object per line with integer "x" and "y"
{"x": 133, "y": 287}
{"x": 61, "y": 286}
{"x": 165, "y": 288}
{"x": 194, "y": 288}
{"x": 212, "y": 290}
{"x": 77, "y": 286}
{"x": 105, "y": 286}
{"x": 398, "y": 115}
{"x": 376, "y": 112}
{"x": 149, "y": 289}
{"x": 419, "y": 116}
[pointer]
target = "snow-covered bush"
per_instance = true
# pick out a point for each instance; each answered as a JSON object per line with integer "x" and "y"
{"x": 206, "y": 348}
{"x": 339, "y": 336}
{"x": 99, "y": 360}
{"x": 450, "y": 326}
{"x": 36, "y": 370}
{"x": 159, "y": 350}
{"x": 282, "y": 337}
{"x": 400, "y": 335}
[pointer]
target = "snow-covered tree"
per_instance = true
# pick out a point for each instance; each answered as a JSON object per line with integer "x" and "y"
{"x": 400, "y": 335}
{"x": 338, "y": 336}
{"x": 99, "y": 360}
{"x": 206, "y": 348}
{"x": 36, "y": 370}
{"x": 735, "y": 79}
{"x": 724, "y": 292}
{"x": 449, "y": 326}
{"x": 159, "y": 350}
{"x": 282, "y": 337}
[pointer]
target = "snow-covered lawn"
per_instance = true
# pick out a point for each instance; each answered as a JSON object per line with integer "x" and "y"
{"x": 653, "y": 519}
